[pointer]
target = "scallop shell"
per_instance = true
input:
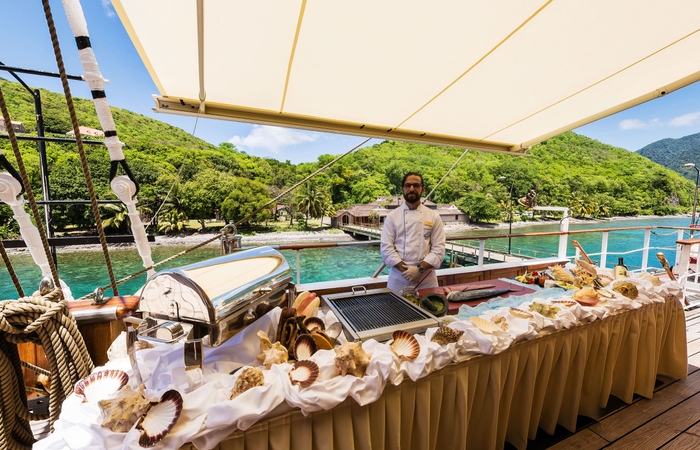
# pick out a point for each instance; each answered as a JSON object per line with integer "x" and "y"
{"x": 304, "y": 347}
{"x": 249, "y": 378}
{"x": 119, "y": 414}
{"x": 567, "y": 303}
{"x": 446, "y": 335}
{"x": 323, "y": 341}
{"x": 100, "y": 385}
{"x": 485, "y": 326}
{"x": 405, "y": 345}
{"x": 313, "y": 323}
{"x": 304, "y": 373}
{"x": 521, "y": 313}
{"x": 160, "y": 419}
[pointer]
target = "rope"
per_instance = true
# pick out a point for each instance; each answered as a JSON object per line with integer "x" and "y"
{"x": 446, "y": 174}
{"x": 28, "y": 189}
{"x": 11, "y": 270}
{"x": 81, "y": 150}
{"x": 46, "y": 322}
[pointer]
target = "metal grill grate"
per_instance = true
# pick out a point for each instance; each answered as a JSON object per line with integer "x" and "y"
{"x": 378, "y": 313}
{"x": 368, "y": 312}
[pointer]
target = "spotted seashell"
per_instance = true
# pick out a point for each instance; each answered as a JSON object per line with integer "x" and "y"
{"x": 100, "y": 385}
{"x": 304, "y": 373}
{"x": 446, "y": 335}
{"x": 249, "y": 378}
{"x": 160, "y": 419}
{"x": 405, "y": 345}
{"x": 521, "y": 313}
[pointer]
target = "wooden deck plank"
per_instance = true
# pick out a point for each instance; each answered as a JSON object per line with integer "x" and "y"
{"x": 693, "y": 347}
{"x": 583, "y": 440}
{"x": 688, "y": 440}
{"x": 692, "y": 335}
{"x": 663, "y": 428}
{"x": 627, "y": 419}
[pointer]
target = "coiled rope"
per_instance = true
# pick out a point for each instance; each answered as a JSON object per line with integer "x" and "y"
{"x": 45, "y": 321}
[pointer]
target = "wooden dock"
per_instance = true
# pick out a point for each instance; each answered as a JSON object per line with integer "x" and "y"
{"x": 669, "y": 421}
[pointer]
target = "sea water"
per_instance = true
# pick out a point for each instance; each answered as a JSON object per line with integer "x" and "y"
{"x": 84, "y": 271}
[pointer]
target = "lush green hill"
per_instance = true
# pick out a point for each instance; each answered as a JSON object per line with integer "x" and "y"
{"x": 674, "y": 153}
{"x": 592, "y": 178}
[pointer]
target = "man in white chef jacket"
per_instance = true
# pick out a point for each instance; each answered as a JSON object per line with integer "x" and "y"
{"x": 413, "y": 239}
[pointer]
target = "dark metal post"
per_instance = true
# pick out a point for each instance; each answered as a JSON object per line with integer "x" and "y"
{"x": 45, "y": 189}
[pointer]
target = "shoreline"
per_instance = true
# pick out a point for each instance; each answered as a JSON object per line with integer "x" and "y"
{"x": 330, "y": 235}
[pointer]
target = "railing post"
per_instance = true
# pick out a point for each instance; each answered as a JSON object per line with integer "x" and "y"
{"x": 298, "y": 252}
{"x": 645, "y": 251}
{"x": 480, "y": 262}
{"x": 681, "y": 236}
{"x": 563, "y": 238}
{"x": 604, "y": 250}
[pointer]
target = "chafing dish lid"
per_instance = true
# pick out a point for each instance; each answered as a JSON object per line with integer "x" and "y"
{"x": 210, "y": 290}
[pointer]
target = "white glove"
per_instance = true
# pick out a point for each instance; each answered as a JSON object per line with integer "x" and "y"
{"x": 411, "y": 274}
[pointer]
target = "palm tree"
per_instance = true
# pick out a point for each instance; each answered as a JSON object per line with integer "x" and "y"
{"x": 115, "y": 216}
{"x": 311, "y": 200}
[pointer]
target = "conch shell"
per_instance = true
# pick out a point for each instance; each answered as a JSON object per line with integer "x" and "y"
{"x": 120, "y": 413}
{"x": 351, "y": 359}
{"x": 271, "y": 353}
{"x": 307, "y": 304}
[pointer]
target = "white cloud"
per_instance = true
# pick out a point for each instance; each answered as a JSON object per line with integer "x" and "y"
{"x": 109, "y": 10}
{"x": 685, "y": 120}
{"x": 636, "y": 124}
{"x": 272, "y": 139}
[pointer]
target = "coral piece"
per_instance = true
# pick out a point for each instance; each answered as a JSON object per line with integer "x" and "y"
{"x": 351, "y": 359}
{"x": 249, "y": 378}
{"x": 446, "y": 335}
{"x": 405, "y": 345}
{"x": 120, "y": 413}
{"x": 546, "y": 310}
{"x": 501, "y": 322}
{"x": 304, "y": 373}
{"x": 271, "y": 353}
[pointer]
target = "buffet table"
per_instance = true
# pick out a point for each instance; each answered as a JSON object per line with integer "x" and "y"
{"x": 486, "y": 400}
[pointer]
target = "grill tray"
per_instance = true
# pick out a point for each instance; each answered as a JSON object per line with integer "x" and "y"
{"x": 377, "y": 313}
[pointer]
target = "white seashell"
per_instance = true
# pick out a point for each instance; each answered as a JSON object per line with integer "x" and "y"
{"x": 304, "y": 373}
{"x": 100, "y": 385}
{"x": 485, "y": 326}
{"x": 160, "y": 419}
{"x": 119, "y": 414}
{"x": 405, "y": 345}
{"x": 517, "y": 312}
{"x": 304, "y": 347}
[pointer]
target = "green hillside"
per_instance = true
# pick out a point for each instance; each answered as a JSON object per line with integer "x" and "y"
{"x": 592, "y": 178}
{"x": 674, "y": 153}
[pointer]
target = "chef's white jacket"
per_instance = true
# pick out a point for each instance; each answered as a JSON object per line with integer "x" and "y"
{"x": 412, "y": 236}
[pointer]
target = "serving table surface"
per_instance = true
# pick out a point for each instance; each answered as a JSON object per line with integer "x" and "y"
{"x": 486, "y": 400}
{"x": 453, "y": 307}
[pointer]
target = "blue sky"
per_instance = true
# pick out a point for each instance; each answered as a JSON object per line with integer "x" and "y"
{"x": 24, "y": 27}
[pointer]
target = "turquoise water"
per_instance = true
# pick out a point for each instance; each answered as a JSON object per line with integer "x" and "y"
{"x": 85, "y": 270}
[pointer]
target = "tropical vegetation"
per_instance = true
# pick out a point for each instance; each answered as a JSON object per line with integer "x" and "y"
{"x": 183, "y": 178}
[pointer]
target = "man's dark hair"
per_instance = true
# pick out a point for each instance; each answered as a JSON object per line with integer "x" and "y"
{"x": 409, "y": 174}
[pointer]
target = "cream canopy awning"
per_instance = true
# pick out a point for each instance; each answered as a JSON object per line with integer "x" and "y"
{"x": 496, "y": 75}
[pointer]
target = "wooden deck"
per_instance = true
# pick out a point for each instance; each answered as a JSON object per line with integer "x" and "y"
{"x": 669, "y": 421}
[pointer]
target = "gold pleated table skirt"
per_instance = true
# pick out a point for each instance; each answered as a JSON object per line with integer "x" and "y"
{"x": 486, "y": 400}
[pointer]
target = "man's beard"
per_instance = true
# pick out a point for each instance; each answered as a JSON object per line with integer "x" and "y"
{"x": 411, "y": 197}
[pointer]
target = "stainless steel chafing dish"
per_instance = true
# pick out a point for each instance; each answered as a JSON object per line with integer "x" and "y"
{"x": 216, "y": 298}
